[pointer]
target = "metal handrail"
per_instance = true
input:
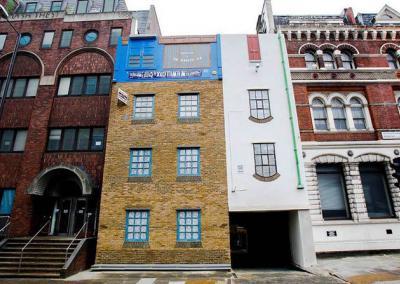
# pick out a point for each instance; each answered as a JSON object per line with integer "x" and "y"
{"x": 5, "y": 226}
{"x": 76, "y": 236}
{"x": 22, "y": 250}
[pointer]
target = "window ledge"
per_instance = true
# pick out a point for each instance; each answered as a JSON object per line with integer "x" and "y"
{"x": 343, "y": 131}
{"x": 189, "y": 245}
{"x": 140, "y": 179}
{"x": 136, "y": 244}
{"x": 143, "y": 121}
{"x": 354, "y": 222}
{"x": 188, "y": 178}
{"x": 267, "y": 179}
{"x": 189, "y": 120}
{"x": 265, "y": 120}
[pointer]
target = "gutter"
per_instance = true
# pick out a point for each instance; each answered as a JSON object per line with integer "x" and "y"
{"x": 289, "y": 97}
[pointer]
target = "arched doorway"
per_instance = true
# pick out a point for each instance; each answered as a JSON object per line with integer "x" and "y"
{"x": 64, "y": 194}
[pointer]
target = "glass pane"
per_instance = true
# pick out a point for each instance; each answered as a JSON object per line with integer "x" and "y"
{"x": 10, "y": 87}
{"x": 19, "y": 88}
{"x": 82, "y": 7}
{"x": 54, "y": 140}
{"x": 33, "y": 85}
{"x": 68, "y": 139}
{"x": 108, "y": 5}
{"x": 66, "y": 39}
{"x": 83, "y": 139}
{"x": 115, "y": 34}
{"x": 104, "y": 85}
{"x": 6, "y": 140}
{"x": 2, "y": 40}
{"x": 97, "y": 139}
{"x": 77, "y": 85}
{"x": 20, "y": 139}
{"x": 56, "y": 6}
{"x": 47, "y": 39}
{"x": 91, "y": 85}
{"x": 30, "y": 7}
{"x": 63, "y": 87}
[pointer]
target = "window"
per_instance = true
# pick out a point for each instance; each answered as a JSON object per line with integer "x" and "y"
{"x": 320, "y": 116}
{"x": 311, "y": 60}
{"x": 189, "y": 106}
{"x": 142, "y": 56}
{"x": 91, "y": 36}
{"x": 332, "y": 192}
{"x": 347, "y": 60}
{"x": 76, "y": 139}
{"x": 30, "y": 7}
{"x": 140, "y": 164}
{"x": 188, "y": 161}
{"x": 47, "y": 39}
{"x": 392, "y": 60}
{"x": 188, "y": 226}
{"x": 259, "y": 104}
{"x": 398, "y": 103}
{"x": 66, "y": 38}
{"x": 373, "y": 179}
{"x": 56, "y": 6}
{"x": 357, "y": 111}
{"x": 84, "y": 85}
{"x": 3, "y": 38}
{"x": 329, "y": 61}
{"x": 137, "y": 226}
{"x": 264, "y": 159}
{"x": 12, "y": 140}
{"x": 339, "y": 114}
{"x": 115, "y": 34}
{"x": 81, "y": 8}
{"x": 25, "y": 39}
{"x": 20, "y": 87}
{"x": 144, "y": 107}
{"x": 7, "y": 197}
{"x": 108, "y": 6}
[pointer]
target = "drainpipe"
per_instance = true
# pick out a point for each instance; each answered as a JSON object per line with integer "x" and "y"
{"x": 291, "y": 106}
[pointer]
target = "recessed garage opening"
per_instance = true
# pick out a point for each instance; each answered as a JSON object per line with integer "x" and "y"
{"x": 260, "y": 240}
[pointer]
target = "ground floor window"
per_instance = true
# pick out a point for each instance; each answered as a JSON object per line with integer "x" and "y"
{"x": 188, "y": 226}
{"x": 332, "y": 191}
{"x": 376, "y": 192}
{"x": 137, "y": 226}
{"x": 6, "y": 201}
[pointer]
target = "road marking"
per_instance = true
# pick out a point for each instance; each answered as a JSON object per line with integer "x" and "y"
{"x": 176, "y": 282}
{"x": 146, "y": 281}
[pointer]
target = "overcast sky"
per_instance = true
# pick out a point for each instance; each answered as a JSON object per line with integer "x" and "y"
{"x": 186, "y": 17}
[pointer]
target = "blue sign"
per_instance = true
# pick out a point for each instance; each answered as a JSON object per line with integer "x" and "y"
{"x": 180, "y": 74}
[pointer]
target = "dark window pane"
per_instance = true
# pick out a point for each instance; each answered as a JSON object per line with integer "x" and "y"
{"x": 66, "y": 39}
{"x": 83, "y": 139}
{"x": 54, "y": 140}
{"x": 68, "y": 139}
{"x": 6, "y": 140}
{"x": 104, "y": 85}
{"x": 91, "y": 85}
{"x": 97, "y": 139}
{"x": 19, "y": 88}
{"x": 373, "y": 178}
{"x": 82, "y": 7}
{"x": 30, "y": 7}
{"x": 56, "y": 6}
{"x": 77, "y": 85}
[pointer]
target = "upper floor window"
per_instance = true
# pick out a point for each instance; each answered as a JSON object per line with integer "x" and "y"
{"x": 56, "y": 6}
{"x": 48, "y": 39}
{"x": 392, "y": 60}
{"x": 142, "y": 57}
{"x": 140, "y": 165}
{"x": 144, "y": 107}
{"x": 66, "y": 38}
{"x": 12, "y": 140}
{"x": 259, "y": 104}
{"x": 339, "y": 114}
{"x": 3, "y": 38}
{"x": 30, "y": 7}
{"x": 7, "y": 196}
{"x": 320, "y": 115}
{"x": 265, "y": 159}
{"x": 115, "y": 34}
{"x": 25, "y": 39}
{"x": 108, "y": 6}
{"x": 76, "y": 139}
{"x": 357, "y": 111}
{"x": 84, "y": 85}
{"x": 20, "y": 87}
{"x": 188, "y": 226}
{"x": 189, "y": 106}
{"x": 347, "y": 60}
{"x": 81, "y": 7}
{"x": 188, "y": 161}
{"x": 137, "y": 226}
{"x": 329, "y": 60}
{"x": 311, "y": 60}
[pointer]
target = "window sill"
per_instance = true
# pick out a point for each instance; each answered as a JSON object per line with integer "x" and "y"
{"x": 189, "y": 120}
{"x": 82, "y": 96}
{"x": 143, "y": 121}
{"x": 256, "y": 120}
{"x": 267, "y": 179}
{"x": 343, "y": 131}
{"x": 189, "y": 245}
{"x": 11, "y": 152}
{"x": 136, "y": 245}
{"x": 188, "y": 178}
{"x": 19, "y": 98}
{"x": 140, "y": 179}
{"x": 354, "y": 222}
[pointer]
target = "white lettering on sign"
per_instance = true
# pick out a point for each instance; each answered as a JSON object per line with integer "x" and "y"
{"x": 123, "y": 97}
{"x": 391, "y": 135}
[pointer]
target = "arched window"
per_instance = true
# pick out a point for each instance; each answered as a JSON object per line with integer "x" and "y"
{"x": 339, "y": 114}
{"x": 329, "y": 60}
{"x": 347, "y": 60}
{"x": 311, "y": 60}
{"x": 392, "y": 60}
{"x": 319, "y": 113}
{"x": 357, "y": 111}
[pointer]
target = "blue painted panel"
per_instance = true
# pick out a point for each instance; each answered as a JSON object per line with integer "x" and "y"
{"x": 7, "y": 201}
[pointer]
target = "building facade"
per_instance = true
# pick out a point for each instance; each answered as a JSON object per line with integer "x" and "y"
{"x": 164, "y": 199}
{"x": 345, "y": 75}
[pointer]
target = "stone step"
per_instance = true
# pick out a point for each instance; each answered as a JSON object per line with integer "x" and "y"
{"x": 34, "y": 243}
{"x": 33, "y": 258}
{"x": 14, "y": 269}
{"x": 32, "y": 264}
{"x": 29, "y": 275}
{"x": 34, "y": 254}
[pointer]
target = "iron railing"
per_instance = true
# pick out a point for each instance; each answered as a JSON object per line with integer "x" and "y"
{"x": 85, "y": 225}
{"x": 4, "y": 229}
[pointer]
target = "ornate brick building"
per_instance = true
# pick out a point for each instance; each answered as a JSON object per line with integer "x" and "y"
{"x": 346, "y": 84}
{"x": 54, "y": 121}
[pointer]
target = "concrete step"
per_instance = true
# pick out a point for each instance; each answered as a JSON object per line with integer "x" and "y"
{"x": 29, "y": 275}
{"x": 12, "y": 243}
{"x": 29, "y": 269}
{"x": 31, "y": 264}
{"x": 33, "y": 254}
{"x": 31, "y": 249}
{"x": 33, "y": 258}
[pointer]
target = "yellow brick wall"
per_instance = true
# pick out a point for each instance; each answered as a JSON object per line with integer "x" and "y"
{"x": 164, "y": 194}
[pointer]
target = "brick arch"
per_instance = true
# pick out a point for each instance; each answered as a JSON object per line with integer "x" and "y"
{"x": 350, "y": 47}
{"x": 329, "y": 158}
{"x": 327, "y": 46}
{"x": 372, "y": 157}
{"x": 23, "y": 59}
{"x": 308, "y": 46}
{"x": 86, "y": 61}
{"x": 387, "y": 46}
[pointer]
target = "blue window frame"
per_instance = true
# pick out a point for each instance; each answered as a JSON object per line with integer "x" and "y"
{"x": 7, "y": 197}
{"x": 189, "y": 106}
{"x": 188, "y": 161}
{"x": 188, "y": 225}
{"x": 142, "y": 56}
{"x": 140, "y": 163}
{"x": 137, "y": 225}
{"x": 144, "y": 107}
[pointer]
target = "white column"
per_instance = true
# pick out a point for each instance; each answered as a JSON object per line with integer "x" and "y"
{"x": 350, "y": 121}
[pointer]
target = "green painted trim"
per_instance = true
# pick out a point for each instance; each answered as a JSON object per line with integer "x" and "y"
{"x": 289, "y": 96}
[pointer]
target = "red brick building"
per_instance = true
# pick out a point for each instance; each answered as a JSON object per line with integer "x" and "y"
{"x": 345, "y": 71}
{"x": 53, "y": 124}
